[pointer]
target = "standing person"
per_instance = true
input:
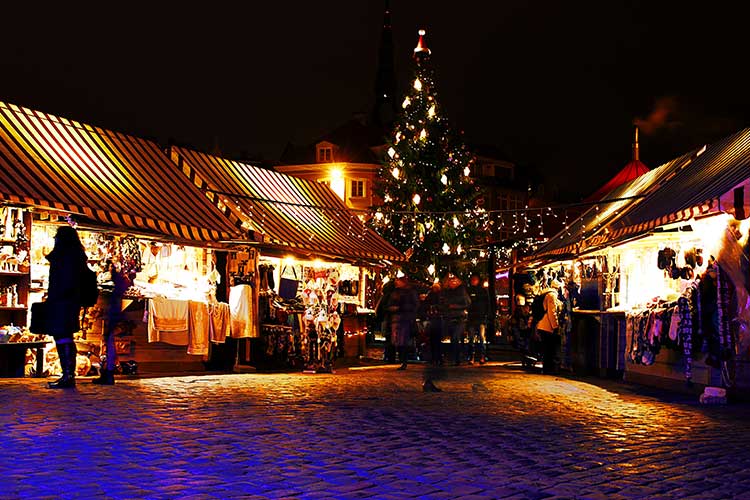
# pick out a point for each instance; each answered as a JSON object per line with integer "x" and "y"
{"x": 548, "y": 329}
{"x": 431, "y": 307}
{"x": 66, "y": 262}
{"x": 383, "y": 318}
{"x": 114, "y": 316}
{"x": 403, "y": 304}
{"x": 454, "y": 302}
{"x": 477, "y": 321}
{"x": 521, "y": 327}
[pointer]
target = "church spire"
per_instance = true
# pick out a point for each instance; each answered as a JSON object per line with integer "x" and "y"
{"x": 636, "y": 150}
{"x": 385, "y": 108}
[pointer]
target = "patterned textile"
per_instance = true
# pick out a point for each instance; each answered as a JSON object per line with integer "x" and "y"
{"x": 685, "y": 332}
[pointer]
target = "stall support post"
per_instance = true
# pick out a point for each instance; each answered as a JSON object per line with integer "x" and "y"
{"x": 493, "y": 299}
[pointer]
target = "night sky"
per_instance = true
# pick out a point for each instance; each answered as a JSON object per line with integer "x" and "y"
{"x": 556, "y": 85}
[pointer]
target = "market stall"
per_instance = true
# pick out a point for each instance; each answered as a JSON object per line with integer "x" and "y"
{"x": 132, "y": 210}
{"x": 311, "y": 281}
{"x": 661, "y": 276}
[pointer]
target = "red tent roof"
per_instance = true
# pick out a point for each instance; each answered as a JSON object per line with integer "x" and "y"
{"x": 631, "y": 171}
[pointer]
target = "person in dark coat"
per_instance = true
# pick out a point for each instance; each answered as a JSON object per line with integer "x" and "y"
{"x": 431, "y": 311}
{"x": 477, "y": 321}
{"x": 403, "y": 304}
{"x": 66, "y": 262}
{"x": 383, "y": 319}
{"x": 454, "y": 301}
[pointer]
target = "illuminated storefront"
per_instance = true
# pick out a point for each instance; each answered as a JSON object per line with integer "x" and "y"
{"x": 658, "y": 280}
{"x": 192, "y": 248}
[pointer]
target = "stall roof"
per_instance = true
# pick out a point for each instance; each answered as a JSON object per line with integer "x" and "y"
{"x": 290, "y": 213}
{"x": 694, "y": 190}
{"x": 584, "y": 231}
{"x": 113, "y": 179}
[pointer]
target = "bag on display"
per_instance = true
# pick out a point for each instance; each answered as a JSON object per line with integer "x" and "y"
{"x": 288, "y": 287}
{"x": 38, "y": 322}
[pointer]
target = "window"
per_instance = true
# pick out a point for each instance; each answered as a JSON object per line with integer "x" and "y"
{"x": 357, "y": 189}
{"x": 325, "y": 154}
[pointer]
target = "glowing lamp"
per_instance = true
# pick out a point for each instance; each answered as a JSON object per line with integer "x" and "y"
{"x": 417, "y": 84}
{"x": 431, "y": 111}
{"x": 395, "y": 172}
{"x": 416, "y": 199}
{"x": 444, "y": 179}
{"x": 431, "y": 269}
{"x": 423, "y": 134}
{"x": 391, "y": 151}
{"x": 446, "y": 248}
{"x": 467, "y": 171}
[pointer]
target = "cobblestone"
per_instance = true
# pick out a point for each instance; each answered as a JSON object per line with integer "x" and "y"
{"x": 367, "y": 434}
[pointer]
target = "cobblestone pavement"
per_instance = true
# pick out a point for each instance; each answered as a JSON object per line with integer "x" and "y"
{"x": 495, "y": 432}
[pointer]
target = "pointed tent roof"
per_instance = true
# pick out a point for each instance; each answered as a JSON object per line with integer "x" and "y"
{"x": 634, "y": 169}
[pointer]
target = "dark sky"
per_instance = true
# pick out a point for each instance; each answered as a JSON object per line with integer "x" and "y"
{"x": 556, "y": 85}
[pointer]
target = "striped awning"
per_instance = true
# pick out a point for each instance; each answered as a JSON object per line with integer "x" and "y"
{"x": 289, "y": 213}
{"x": 112, "y": 179}
{"x": 691, "y": 186}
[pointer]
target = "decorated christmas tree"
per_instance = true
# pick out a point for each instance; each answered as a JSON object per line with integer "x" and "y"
{"x": 429, "y": 210}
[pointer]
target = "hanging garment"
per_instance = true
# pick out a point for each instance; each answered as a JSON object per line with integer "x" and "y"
{"x": 198, "y": 330}
{"x": 220, "y": 322}
{"x": 241, "y": 307}
{"x": 168, "y": 321}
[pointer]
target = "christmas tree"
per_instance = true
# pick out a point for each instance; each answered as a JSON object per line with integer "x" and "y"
{"x": 428, "y": 209}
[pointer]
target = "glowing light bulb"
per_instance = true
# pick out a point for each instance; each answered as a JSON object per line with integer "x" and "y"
{"x": 379, "y": 215}
{"x": 459, "y": 250}
{"x": 395, "y": 172}
{"x": 416, "y": 199}
{"x": 455, "y": 222}
{"x": 391, "y": 151}
{"x": 444, "y": 179}
{"x": 446, "y": 248}
{"x": 398, "y": 138}
{"x": 431, "y": 111}
{"x": 467, "y": 171}
{"x": 417, "y": 84}
{"x": 423, "y": 134}
{"x": 406, "y": 102}
{"x": 431, "y": 269}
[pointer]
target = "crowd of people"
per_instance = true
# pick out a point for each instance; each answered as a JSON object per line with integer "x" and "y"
{"x": 450, "y": 309}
